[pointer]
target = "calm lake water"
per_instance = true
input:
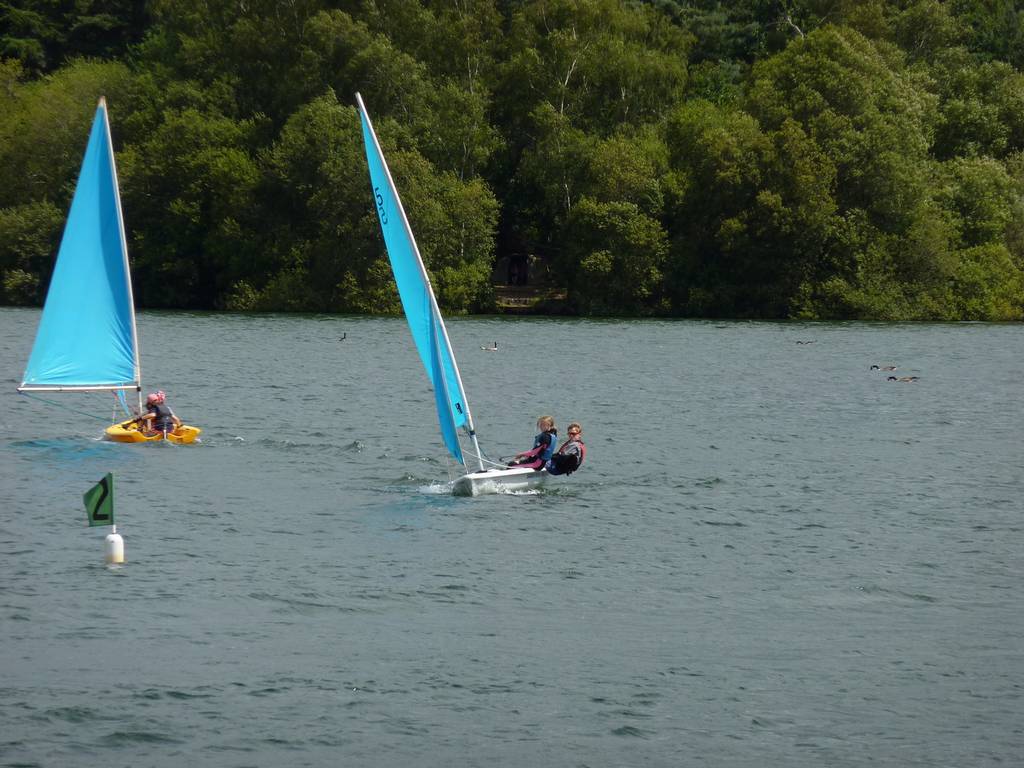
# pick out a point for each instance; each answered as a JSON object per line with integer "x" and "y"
{"x": 772, "y": 557}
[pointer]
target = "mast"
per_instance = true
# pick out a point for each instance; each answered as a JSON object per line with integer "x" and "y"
{"x": 124, "y": 250}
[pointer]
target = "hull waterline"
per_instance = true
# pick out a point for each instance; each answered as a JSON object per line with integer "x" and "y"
{"x": 511, "y": 480}
{"x": 121, "y": 433}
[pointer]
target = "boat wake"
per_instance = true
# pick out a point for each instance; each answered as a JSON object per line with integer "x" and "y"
{"x": 436, "y": 489}
{"x": 520, "y": 491}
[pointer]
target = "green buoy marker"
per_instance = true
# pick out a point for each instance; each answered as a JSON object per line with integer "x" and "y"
{"x": 99, "y": 504}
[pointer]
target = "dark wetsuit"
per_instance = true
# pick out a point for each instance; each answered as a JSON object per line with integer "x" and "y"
{"x": 568, "y": 459}
{"x": 163, "y": 420}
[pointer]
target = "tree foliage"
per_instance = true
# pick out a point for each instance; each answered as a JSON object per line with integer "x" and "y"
{"x": 806, "y": 158}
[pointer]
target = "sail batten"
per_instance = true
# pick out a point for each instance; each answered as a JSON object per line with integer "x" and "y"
{"x": 86, "y": 337}
{"x": 418, "y": 300}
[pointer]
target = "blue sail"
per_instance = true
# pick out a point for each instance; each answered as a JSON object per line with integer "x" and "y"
{"x": 414, "y": 288}
{"x": 442, "y": 398}
{"x": 86, "y": 336}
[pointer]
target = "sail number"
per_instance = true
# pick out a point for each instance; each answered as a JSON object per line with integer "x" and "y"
{"x": 380, "y": 205}
{"x": 97, "y": 515}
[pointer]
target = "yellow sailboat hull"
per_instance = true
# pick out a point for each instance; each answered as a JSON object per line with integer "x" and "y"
{"x": 129, "y": 432}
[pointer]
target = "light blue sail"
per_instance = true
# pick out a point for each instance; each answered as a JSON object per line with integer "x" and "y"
{"x": 86, "y": 336}
{"x": 418, "y": 300}
{"x": 442, "y": 398}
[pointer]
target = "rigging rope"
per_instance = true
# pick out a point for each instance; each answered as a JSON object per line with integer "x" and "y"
{"x": 64, "y": 405}
{"x": 483, "y": 459}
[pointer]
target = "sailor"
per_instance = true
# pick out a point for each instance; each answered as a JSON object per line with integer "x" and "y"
{"x": 159, "y": 417}
{"x": 543, "y": 446}
{"x": 569, "y": 457}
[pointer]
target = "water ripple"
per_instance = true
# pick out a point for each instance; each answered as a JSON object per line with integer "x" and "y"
{"x": 771, "y": 557}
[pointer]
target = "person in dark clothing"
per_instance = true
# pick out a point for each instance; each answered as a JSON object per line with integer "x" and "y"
{"x": 159, "y": 417}
{"x": 568, "y": 458}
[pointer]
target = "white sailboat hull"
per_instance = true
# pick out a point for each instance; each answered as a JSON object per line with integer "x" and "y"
{"x": 499, "y": 481}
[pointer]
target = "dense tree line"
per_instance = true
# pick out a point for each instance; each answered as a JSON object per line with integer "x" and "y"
{"x": 759, "y": 158}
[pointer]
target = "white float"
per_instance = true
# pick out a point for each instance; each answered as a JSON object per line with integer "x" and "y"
{"x": 114, "y": 547}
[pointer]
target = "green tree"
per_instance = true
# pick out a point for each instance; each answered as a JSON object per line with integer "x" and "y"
{"x": 44, "y": 35}
{"x": 321, "y": 227}
{"x": 718, "y": 160}
{"x": 994, "y": 28}
{"x": 981, "y": 194}
{"x": 29, "y": 235}
{"x": 981, "y": 108}
{"x": 873, "y": 119}
{"x": 254, "y": 50}
{"x": 45, "y": 129}
{"x": 326, "y": 231}
{"x": 614, "y": 258}
{"x": 989, "y": 285}
{"x": 925, "y": 28}
{"x": 870, "y": 115}
{"x": 597, "y": 62}
{"x": 190, "y": 185}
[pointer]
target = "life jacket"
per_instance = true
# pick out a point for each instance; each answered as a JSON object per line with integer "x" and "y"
{"x": 164, "y": 420}
{"x": 548, "y": 440}
{"x": 567, "y": 463}
{"x": 542, "y": 451}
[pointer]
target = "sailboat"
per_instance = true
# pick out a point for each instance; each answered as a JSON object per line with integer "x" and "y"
{"x": 430, "y": 334}
{"x": 87, "y": 340}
